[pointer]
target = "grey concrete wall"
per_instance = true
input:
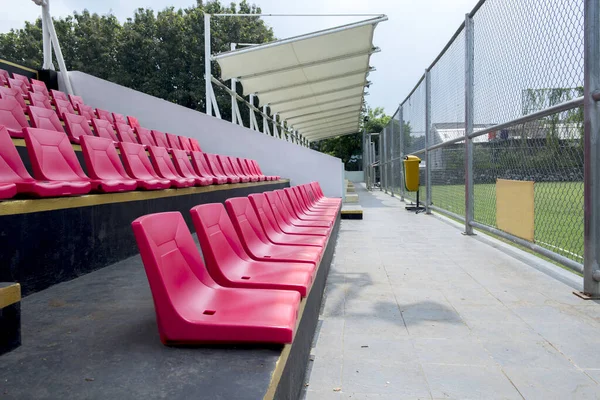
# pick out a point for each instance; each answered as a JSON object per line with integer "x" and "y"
{"x": 275, "y": 156}
{"x": 355, "y": 176}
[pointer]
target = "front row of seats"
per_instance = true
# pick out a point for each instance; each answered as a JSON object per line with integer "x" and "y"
{"x": 255, "y": 274}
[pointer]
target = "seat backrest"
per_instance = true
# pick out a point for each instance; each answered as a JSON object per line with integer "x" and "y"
{"x": 86, "y": 111}
{"x": 119, "y": 119}
{"x": 17, "y": 84}
{"x": 101, "y": 158}
{"x": 13, "y": 93}
{"x": 144, "y": 136}
{"x": 125, "y": 133}
{"x": 200, "y": 165}
{"x": 4, "y": 76}
{"x": 22, "y": 78}
{"x": 58, "y": 95}
{"x": 241, "y": 164}
{"x": 183, "y": 164}
{"x": 160, "y": 139}
{"x": 106, "y": 115}
{"x": 287, "y": 204}
{"x": 52, "y": 156}
{"x": 37, "y": 82}
{"x": 39, "y": 100}
{"x": 161, "y": 161}
{"x": 44, "y": 119}
{"x": 214, "y": 164}
{"x": 104, "y": 128}
{"x": 246, "y": 224}
{"x": 172, "y": 262}
{"x": 40, "y": 89}
{"x": 11, "y": 115}
{"x": 225, "y": 165}
{"x": 317, "y": 189}
{"x": 75, "y": 100}
{"x": 221, "y": 246}
{"x": 185, "y": 143}
{"x": 77, "y": 126}
{"x": 279, "y": 210}
{"x": 257, "y": 167}
{"x": 251, "y": 167}
{"x": 12, "y": 169}
{"x": 195, "y": 145}
{"x": 264, "y": 213}
{"x": 63, "y": 107}
{"x": 133, "y": 121}
{"x": 235, "y": 167}
{"x": 136, "y": 161}
{"x": 292, "y": 197}
{"x": 173, "y": 141}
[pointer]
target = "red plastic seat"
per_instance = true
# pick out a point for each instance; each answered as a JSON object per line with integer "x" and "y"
{"x": 125, "y": 133}
{"x": 7, "y": 190}
{"x": 104, "y": 128}
{"x": 184, "y": 167}
{"x": 58, "y": 95}
{"x": 35, "y": 88}
{"x": 299, "y": 218}
{"x": 312, "y": 201}
{"x": 23, "y": 79}
{"x": 223, "y": 162}
{"x": 4, "y": 76}
{"x": 39, "y": 100}
{"x": 76, "y": 100}
{"x": 195, "y": 145}
{"x": 215, "y": 167}
{"x": 251, "y": 168}
{"x": 105, "y": 115}
{"x": 77, "y": 126}
{"x": 160, "y": 139}
{"x": 119, "y": 119}
{"x": 235, "y": 168}
{"x": 244, "y": 168}
{"x": 161, "y": 161}
{"x": 173, "y": 141}
{"x": 202, "y": 169}
{"x": 12, "y": 117}
{"x": 272, "y": 229}
{"x": 53, "y": 159}
{"x": 258, "y": 170}
{"x": 256, "y": 243}
{"x": 138, "y": 166}
{"x": 86, "y": 111}
{"x": 191, "y": 307}
{"x": 185, "y": 144}
{"x": 19, "y": 85}
{"x": 144, "y": 136}
{"x": 63, "y": 107}
{"x": 229, "y": 264}
{"x": 104, "y": 166}
{"x": 321, "y": 197}
{"x": 301, "y": 207}
{"x": 285, "y": 218}
{"x": 13, "y": 93}
{"x": 37, "y": 82}
{"x": 133, "y": 122}
{"x": 44, "y": 119}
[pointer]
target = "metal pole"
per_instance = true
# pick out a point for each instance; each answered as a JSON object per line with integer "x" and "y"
{"x": 591, "y": 269}
{"x": 265, "y": 123}
{"x": 46, "y": 39}
{"x": 275, "y": 131}
{"x": 427, "y": 141}
{"x": 59, "y": 54}
{"x": 251, "y": 112}
{"x": 233, "y": 98}
{"x": 383, "y": 158}
{"x": 207, "y": 70}
{"x": 364, "y": 154}
{"x": 392, "y": 147}
{"x": 469, "y": 74}
{"x": 401, "y": 117}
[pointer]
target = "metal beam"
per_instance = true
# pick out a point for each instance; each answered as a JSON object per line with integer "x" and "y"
{"x": 335, "y": 118}
{"x": 312, "y": 95}
{"x": 332, "y": 129}
{"x": 320, "y": 104}
{"x": 327, "y": 117}
{"x": 315, "y": 138}
{"x": 353, "y": 106}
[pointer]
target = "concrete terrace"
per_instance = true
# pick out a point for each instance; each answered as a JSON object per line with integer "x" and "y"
{"x": 416, "y": 310}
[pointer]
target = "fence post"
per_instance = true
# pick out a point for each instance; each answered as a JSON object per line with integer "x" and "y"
{"x": 401, "y": 151}
{"x": 384, "y": 161}
{"x": 427, "y": 141}
{"x": 591, "y": 264}
{"x": 469, "y": 74}
{"x": 392, "y": 143}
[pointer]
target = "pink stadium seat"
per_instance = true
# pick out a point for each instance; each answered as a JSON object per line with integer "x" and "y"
{"x": 299, "y": 218}
{"x": 12, "y": 117}
{"x": 19, "y": 85}
{"x": 272, "y": 230}
{"x": 215, "y": 167}
{"x": 229, "y": 264}
{"x": 7, "y": 190}
{"x": 184, "y": 167}
{"x": 301, "y": 210}
{"x": 53, "y": 159}
{"x": 44, "y": 119}
{"x": 13, "y": 93}
{"x": 191, "y": 307}
{"x": 125, "y": 133}
{"x": 77, "y": 126}
{"x": 161, "y": 161}
{"x": 4, "y": 77}
{"x": 23, "y": 79}
{"x": 144, "y": 136}
{"x": 310, "y": 199}
{"x": 76, "y": 100}
{"x": 202, "y": 169}
{"x": 13, "y": 172}
{"x": 133, "y": 121}
{"x": 244, "y": 167}
{"x": 58, "y": 95}
{"x": 321, "y": 197}
{"x": 185, "y": 144}
{"x": 256, "y": 243}
{"x": 236, "y": 169}
{"x": 39, "y": 100}
{"x": 104, "y": 166}
{"x": 285, "y": 218}
{"x": 258, "y": 170}
{"x": 250, "y": 167}
{"x": 160, "y": 139}
{"x": 37, "y": 82}
{"x": 40, "y": 89}
{"x": 138, "y": 166}
{"x": 104, "y": 128}
{"x": 173, "y": 141}
{"x": 105, "y": 115}
{"x": 119, "y": 119}
{"x": 195, "y": 145}
{"x": 86, "y": 111}
{"x": 63, "y": 107}
{"x": 223, "y": 162}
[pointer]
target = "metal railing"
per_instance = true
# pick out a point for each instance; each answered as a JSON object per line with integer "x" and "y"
{"x": 511, "y": 96}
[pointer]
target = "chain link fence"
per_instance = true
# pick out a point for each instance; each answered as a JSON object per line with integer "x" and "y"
{"x": 521, "y": 119}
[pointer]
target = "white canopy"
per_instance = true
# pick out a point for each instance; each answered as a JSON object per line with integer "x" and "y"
{"x": 315, "y": 82}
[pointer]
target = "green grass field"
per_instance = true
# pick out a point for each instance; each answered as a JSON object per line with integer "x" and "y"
{"x": 558, "y": 212}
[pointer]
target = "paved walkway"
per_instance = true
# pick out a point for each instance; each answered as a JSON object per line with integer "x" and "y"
{"x": 416, "y": 310}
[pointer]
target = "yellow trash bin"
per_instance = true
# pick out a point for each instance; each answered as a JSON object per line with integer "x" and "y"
{"x": 411, "y": 173}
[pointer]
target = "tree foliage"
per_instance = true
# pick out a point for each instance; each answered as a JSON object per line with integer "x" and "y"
{"x": 158, "y": 53}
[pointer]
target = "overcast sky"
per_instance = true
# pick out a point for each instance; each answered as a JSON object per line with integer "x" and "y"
{"x": 416, "y": 31}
